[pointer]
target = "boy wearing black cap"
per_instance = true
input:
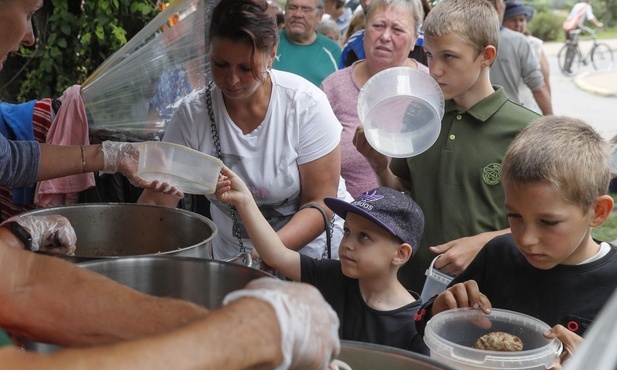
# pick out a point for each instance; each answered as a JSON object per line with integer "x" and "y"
{"x": 383, "y": 228}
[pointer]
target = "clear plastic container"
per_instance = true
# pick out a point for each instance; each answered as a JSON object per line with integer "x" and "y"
{"x": 192, "y": 171}
{"x": 401, "y": 109}
{"x": 435, "y": 283}
{"x": 451, "y": 334}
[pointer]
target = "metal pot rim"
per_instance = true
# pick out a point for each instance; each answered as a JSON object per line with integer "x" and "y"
{"x": 118, "y": 261}
{"x": 197, "y": 216}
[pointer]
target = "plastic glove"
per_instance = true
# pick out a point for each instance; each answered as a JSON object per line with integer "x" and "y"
{"x": 309, "y": 326}
{"x": 124, "y": 158}
{"x": 52, "y": 233}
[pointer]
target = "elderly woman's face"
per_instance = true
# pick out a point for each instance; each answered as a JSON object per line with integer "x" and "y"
{"x": 389, "y": 36}
{"x": 16, "y": 25}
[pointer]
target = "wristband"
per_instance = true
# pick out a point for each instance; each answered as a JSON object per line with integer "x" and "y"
{"x": 21, "y": 233}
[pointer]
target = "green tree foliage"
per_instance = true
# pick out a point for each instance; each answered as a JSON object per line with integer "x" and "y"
{"x": 550, "y": 15}
{"x": 546, "y": 26}
{"x": 73, "y": 39}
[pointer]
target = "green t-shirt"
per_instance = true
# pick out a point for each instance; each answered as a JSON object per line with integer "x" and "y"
{"x": 314, "y": 62}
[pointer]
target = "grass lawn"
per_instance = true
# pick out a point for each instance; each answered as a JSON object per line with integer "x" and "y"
{"x": 607, "y": 231}
{"x": 607, "y": 33}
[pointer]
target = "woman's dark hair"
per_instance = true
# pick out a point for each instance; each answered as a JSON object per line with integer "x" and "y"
{"x": 250, "y": 21}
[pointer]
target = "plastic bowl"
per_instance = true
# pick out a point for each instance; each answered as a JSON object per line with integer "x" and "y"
{"x": 193, "y": 172}
{"x": 401, "y": 109}
{"x": 451, "y": 334}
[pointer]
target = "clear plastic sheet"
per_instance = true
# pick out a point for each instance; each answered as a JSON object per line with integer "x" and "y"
{"x": 132, "y": 95}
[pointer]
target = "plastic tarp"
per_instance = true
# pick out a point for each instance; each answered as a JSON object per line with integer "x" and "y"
{"x": 132, "y": 95}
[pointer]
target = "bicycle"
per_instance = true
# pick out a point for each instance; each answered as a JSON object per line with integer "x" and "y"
{"x": 570, "y": 56}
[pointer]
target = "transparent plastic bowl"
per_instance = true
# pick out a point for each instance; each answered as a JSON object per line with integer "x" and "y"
{"x": 192, "y": 171}
{"x": 401, "y": 109}
{"x": 451, "y": 334}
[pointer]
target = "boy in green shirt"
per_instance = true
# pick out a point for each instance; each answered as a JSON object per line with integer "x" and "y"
{"x": 457, "y": 181}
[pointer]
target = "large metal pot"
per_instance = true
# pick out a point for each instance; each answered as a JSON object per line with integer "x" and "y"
{"x": 368, "y": 356}
{"x": 202, "y": 281}
{"x": 110, "y": 230}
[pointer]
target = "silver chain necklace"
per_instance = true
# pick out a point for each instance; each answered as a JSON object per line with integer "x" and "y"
{"x": 217, "y": 146}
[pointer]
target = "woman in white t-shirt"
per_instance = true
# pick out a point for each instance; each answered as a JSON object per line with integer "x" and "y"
{"x": 276, "y": 130}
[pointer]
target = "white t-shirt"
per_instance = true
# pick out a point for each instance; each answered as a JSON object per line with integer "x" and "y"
{"x": 584, "y": 8}
{"x": 299, "y": 127}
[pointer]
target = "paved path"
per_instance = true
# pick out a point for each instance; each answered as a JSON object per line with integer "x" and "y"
{"x": 588, "y": 96}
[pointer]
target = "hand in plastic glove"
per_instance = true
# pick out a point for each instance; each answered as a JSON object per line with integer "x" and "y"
{"x": 52, "y": 233}
{"x": 309, "y": 326}
{"x": 124, "y": 158}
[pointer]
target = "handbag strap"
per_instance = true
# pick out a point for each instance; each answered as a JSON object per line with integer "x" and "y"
{"x": 217, "y": 146}
{"x": 327, "y": 225}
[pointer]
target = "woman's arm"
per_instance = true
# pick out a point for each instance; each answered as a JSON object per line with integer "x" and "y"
{"x": 110, "y": 157}
{"x": 64, "y": 160}
{"x": 318, "y": 179}
{"x": 379, "y": 163}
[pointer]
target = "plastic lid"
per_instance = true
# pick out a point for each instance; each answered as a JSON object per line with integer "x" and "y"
{"x": 450, "y": 336}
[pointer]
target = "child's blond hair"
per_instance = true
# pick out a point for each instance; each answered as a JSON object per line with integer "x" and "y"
{"x": 476, "y": 21}
{"x": 567, "y": 153}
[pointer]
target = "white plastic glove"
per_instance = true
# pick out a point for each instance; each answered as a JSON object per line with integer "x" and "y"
{"x": 52, "y": 233}
{"x": 309, "y": 326}
{"x": 124, "y": 158}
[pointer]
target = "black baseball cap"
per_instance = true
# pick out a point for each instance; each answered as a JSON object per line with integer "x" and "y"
{"x": 390, "y": 209}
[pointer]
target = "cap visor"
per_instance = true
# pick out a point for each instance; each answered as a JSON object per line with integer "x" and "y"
{"x": 341, "y": 208}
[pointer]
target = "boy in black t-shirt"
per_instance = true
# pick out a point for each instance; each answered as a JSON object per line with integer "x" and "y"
{"x": 382, "y": 231}
{"x": 555, "y": 176}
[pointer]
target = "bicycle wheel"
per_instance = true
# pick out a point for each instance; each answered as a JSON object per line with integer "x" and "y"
{"x": 602, "y": 57}
{"x": 569, "y": 60}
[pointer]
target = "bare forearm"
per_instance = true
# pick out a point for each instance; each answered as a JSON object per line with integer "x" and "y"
{"x": 543, "y": 98}
{"x": 61, "y": 160}
{"x": 320, "y": 178}
{"x": 306, "y": 225}
{"x": 267, "y": 242}
{"x": 244, "y": 334}
{"x": 48, "y": 299}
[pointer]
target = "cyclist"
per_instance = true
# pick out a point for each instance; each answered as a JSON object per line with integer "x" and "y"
{"x": 580, "y": 12}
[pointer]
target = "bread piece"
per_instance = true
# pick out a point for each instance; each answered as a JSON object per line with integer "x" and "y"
{"x": 499, "y": 341}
